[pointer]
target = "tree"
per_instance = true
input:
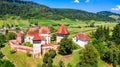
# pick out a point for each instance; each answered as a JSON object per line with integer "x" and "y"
{"x": 45, "y": 59}
{"x": 61, "y": 64}
{"x": 53, "y": 37}
{"x": 90, "y": 56}
{"x": 65, "y": 47}
{"x": 69, "y": 65}
{"x": 52, "y": 53}
{"x": 102, "y": 33}
{"x": 1, "y": 55}
{"x": 6, "y": 63}
{"x": 92, "y": 24}
{"x": 27, "y": 44}
{"x": 49, "y": 64}
{"x": 116, "y": 34}
{"x": 44, "y": 65}
{"x": 48, "y": 58}
{"x": 101, "y": 47}
{"x": 2, "y": 40}
{"x": 10, "y": 36}
{"x": 112, "y": 55}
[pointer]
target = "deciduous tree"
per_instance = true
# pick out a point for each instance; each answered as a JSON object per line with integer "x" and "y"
{"x": 66, "y": 47}
{"x": 90, "y": 57}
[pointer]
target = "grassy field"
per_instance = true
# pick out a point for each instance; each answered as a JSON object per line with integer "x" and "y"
{"x": 19, "y": 23}
{"x": 73, "y": 59}
{"x": 22, "y": 60}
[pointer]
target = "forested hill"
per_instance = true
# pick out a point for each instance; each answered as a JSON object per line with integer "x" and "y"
{"x": 110, "y": 14}
{"x": 31, "y": 10}
{"x": 79, "y": 14}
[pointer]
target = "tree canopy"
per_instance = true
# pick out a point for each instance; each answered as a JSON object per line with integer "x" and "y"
{"x": 90, "y": 57}
{"x": 27, "y": 44}
{"x": 30, "y": 10}
{"x": 66, "y": 46}
{"x": 6, "y": 63}
{"x": 116, "y": 34}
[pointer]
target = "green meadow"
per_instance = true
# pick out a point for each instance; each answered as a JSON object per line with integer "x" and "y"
{"x": 22, "y": 60}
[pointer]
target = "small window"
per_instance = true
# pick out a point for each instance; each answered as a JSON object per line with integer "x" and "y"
{"x": 76, "y": 40}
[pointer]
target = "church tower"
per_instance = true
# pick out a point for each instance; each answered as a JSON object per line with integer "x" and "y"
{"x": 20, "y": 38}
{"x": 36, "y": 46}
{"x": 61, "y": 33}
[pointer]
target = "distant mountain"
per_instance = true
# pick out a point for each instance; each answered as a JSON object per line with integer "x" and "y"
{"x": 110, "y": 14}
{"x": 79, "y": 14}
{"x": 31, "y": 10}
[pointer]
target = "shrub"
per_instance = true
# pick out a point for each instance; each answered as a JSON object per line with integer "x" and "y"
{"x": 27, "y": 44}
{"x": 52, "y": 53}
{"x": 1, "y": 55}
{"x": 6, "y": 63}
{"x": 28, "y": 54}
{"x": 12, "y": 51}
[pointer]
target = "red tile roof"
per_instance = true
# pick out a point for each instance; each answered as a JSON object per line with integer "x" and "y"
{"x": 45, "y": 45}
{"x": 19, "y": 34}
{"x": 82, "y": 36}
{"x": 62, "y": 30}
{"x": 44, "y": 30}
{"x": 37, "y": 37}
{"x": 32, "y": 31}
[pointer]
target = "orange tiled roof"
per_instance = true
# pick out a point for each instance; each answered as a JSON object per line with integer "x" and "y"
{"x": 19, "y": 34}
{"x": 44, "y": 30}
{"x": 62, "y": 30}
{"x": 82, "y": 36}
{"x": 32, "y": 31}
{"x": 37, "y": 37}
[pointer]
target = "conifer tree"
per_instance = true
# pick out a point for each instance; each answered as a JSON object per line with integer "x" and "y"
{"x": 116, "y": 34}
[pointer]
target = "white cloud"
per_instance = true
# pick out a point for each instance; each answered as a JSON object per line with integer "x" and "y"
{"x": 117, "y": 8}
{"x": 76, "y": 1}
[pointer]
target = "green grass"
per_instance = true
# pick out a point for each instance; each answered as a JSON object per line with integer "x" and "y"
{"x": 20, "y": 23}
{"x": 20, "y": 59}
{"x": 72, "y": 59}
{"x": 1, "y": 23}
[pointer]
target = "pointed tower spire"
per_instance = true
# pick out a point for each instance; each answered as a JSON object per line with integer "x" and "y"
{"x": 61, "y": 33}
{"x": 62, "y": 30}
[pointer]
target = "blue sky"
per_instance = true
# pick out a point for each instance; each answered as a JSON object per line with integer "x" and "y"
{"x": 87, "y": 5}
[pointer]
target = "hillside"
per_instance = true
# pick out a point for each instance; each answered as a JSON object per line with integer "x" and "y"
{"x": 110, "y": 14}
{"x": 31, "y": 10}
{"x": 82, "y": 15}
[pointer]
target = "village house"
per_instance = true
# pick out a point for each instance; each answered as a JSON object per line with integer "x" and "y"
{"x": 81, "y": 39}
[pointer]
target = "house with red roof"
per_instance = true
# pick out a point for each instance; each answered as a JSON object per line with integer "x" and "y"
{"x": 61, "y": 33}
{"x": 81, "y": 39}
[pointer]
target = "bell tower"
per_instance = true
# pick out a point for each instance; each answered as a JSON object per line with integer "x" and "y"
{"x": 36, "y": 46}
{"x": 61, "y": 33}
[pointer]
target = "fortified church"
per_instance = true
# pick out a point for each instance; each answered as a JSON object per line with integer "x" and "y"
{"x": 40, "y": 38}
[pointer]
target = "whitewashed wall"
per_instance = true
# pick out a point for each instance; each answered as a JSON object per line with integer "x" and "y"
{"x": 81, "y": 43}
